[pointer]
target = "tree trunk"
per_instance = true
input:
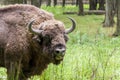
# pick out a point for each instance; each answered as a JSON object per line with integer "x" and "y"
{"x": 31, "y": 2}
{"x": 55, "y": 3}
{"x": 101, "y": 5}
{"x": 37, "y": 3}
{"x": 117, "y": 33}
{"x": 109, "y": 15}
{"x": 40, "y": 3}
{"x": 92, "y": 4}
{"x": 63, "y": 4}
{"x": 48, "y": 2}
{"x": 72, "y": 2}
{"x": 24, "y": 1}
{"x": 77, "y": 2}
{"x": 18, "y": 1}
{"x": 81, "y": 10}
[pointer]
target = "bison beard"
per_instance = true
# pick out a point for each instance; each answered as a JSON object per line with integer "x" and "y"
{"x": 30, "y": 39}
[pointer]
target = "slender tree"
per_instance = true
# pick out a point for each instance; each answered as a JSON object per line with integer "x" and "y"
{"x": 37, "y": 3}
{"x": 63, "y": 3}
{"x": 72, "y": 2}
{"x": 101, "y": 5}
{"x": 92, "y": 4}
{"x": 25, "y": 1}
{"x": 81, "y": 10}
{"x": 40, "y": 2}
{"x": 110, "y": 12}
{"x": 55, "y": 3}
{"x": 117, "y": 33}
{"x": 77, "y": 2}
{"x": 31, "y": 2}
{"x": 48, "y": 2}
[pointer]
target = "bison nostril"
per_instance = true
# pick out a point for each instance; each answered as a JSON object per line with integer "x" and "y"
{"x": 57, "y": 51}
{"x": 60, "y": 51}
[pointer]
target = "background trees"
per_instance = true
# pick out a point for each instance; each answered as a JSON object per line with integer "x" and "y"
{"x": 93, "y": 4}
{"x": 111, "y": 8}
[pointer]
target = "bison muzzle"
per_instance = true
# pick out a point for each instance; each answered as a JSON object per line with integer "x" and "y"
{"x": 30, "y": 39}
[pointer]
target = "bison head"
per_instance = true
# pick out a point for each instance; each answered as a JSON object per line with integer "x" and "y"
{"x": 52, "y": 36}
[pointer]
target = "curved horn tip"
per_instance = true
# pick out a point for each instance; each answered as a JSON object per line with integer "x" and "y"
{"x": 30, "y": 24}
{"x": 34, "y": 31}
{"x": 72, "y": 27}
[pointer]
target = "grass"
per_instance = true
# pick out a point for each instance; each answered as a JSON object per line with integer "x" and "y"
{"x": 92, "y": 54}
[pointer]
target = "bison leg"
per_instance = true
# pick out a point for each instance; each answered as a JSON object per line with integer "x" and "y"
{"x": 23, "y": 78}
{"x": 13, "y": 70}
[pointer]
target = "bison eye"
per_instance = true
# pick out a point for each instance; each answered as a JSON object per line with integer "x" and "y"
{"x": 66, "y": 38}
{"x": 47, "y": 40}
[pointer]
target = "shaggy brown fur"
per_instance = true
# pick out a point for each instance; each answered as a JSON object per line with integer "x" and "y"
{"x": 25, "y": 54}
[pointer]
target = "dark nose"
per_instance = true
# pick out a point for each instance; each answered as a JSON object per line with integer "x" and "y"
{"x": 60, "y": 51}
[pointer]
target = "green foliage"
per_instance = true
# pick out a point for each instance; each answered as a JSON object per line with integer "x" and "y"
{"x": 58, "y": 10}
{"x": 3, "y": 75}
{"x": 91, "y": 53}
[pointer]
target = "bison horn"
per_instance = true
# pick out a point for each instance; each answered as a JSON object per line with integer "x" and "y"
{"x": 34, "y": 31}
{"x": 72, "y": 27}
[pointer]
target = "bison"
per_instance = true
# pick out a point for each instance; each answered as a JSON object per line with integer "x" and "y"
{"x": 30, "y": 39}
